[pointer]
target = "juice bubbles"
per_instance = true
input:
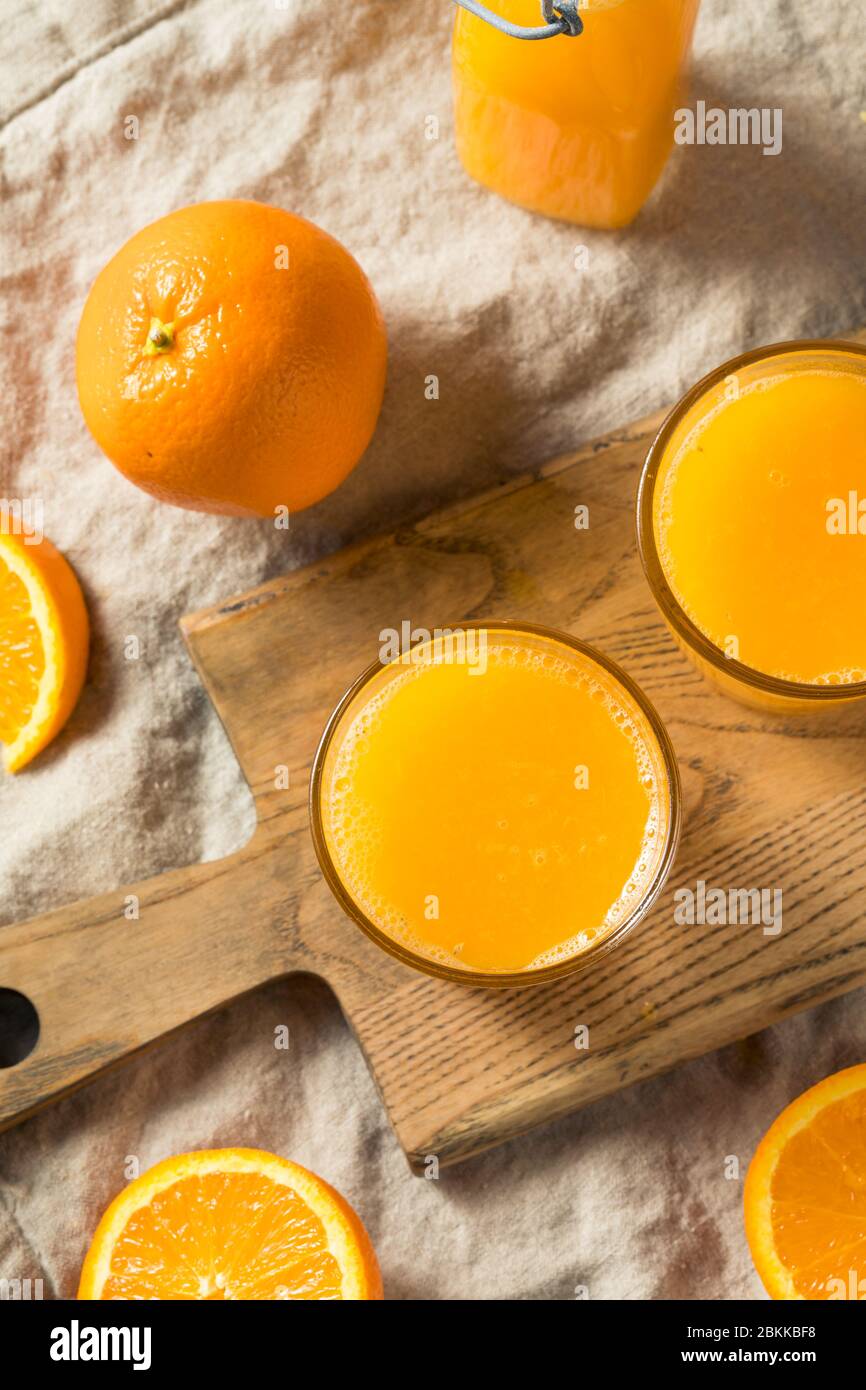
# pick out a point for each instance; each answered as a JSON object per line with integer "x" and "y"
{"x": 758, "y": 523}
{"x": 495, "y": 819}
{"x": 578, "y": 128}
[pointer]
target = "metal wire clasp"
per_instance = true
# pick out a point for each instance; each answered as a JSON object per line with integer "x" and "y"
{"x": 560, "y": 17}
{"x": 564, "y": 12}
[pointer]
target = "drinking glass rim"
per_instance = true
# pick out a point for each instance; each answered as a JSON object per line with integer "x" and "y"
{"x": 516, "y": 978}
{"x": 664, "y": 596}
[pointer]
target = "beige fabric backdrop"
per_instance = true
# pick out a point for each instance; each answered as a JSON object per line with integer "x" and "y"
{"x": 282, "y": 103}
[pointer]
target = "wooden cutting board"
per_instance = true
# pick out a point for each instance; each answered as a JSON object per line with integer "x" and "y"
{"x": 769, "y": 803}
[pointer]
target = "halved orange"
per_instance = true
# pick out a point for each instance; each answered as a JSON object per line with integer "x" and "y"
{"x": 805, "y": 1194}
{"x": 230, "y": 1224}
{"x": 44, "y": 638}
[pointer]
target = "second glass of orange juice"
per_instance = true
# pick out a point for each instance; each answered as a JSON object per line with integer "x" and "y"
{"x": 497, "y": 806}
{"x": 752, "y": 525}
{"x": 578, "y": 128}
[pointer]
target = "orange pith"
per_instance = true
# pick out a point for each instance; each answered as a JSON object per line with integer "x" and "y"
{"x": 230, "y": 1224}
{"x": 805, "y": 1194}
{"x": 231, "y": 358}
{"x": 44, "y": 636}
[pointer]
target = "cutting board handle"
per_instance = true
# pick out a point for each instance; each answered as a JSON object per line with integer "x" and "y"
{"x": 109, "y": 976}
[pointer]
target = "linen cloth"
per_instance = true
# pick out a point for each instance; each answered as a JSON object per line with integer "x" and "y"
{"x": 324, "y": 110}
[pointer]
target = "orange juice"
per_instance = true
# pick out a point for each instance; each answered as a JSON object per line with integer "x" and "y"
{"x": 759, "y": 515}
{"x": 498, "y": 817}
{"x": 578, "y": 128}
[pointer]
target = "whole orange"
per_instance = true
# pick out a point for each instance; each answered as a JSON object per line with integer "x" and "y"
{"x": 231, "y": 358}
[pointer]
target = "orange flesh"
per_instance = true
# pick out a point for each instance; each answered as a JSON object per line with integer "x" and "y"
{"x": 578, "y": 128}
{"x": 454, "y": 793}
{"x": 22, "y": 657}
{"x": 818, "y": 1193}
{"x": 741, "y": 523}
{"x": 224, "y": 1236}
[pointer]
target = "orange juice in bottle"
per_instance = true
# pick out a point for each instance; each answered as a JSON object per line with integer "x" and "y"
{"x": 575, "y": 127}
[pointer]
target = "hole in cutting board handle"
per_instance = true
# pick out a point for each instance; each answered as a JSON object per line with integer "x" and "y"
{"x": 19, "y": 1027}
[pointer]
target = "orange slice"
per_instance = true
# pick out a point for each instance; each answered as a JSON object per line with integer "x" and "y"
{"x": 44, "y": 636}
{"x": 805, "y": 1194}
{"x": 230, "y": 1224}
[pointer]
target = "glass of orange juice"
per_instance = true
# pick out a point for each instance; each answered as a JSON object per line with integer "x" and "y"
{"x": 752, "y": 525}
{"x": 580, "y": 127}
{"x": 499, "y": 805}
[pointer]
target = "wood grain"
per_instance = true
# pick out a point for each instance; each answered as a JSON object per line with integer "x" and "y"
{"x": 769, "y": 803}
